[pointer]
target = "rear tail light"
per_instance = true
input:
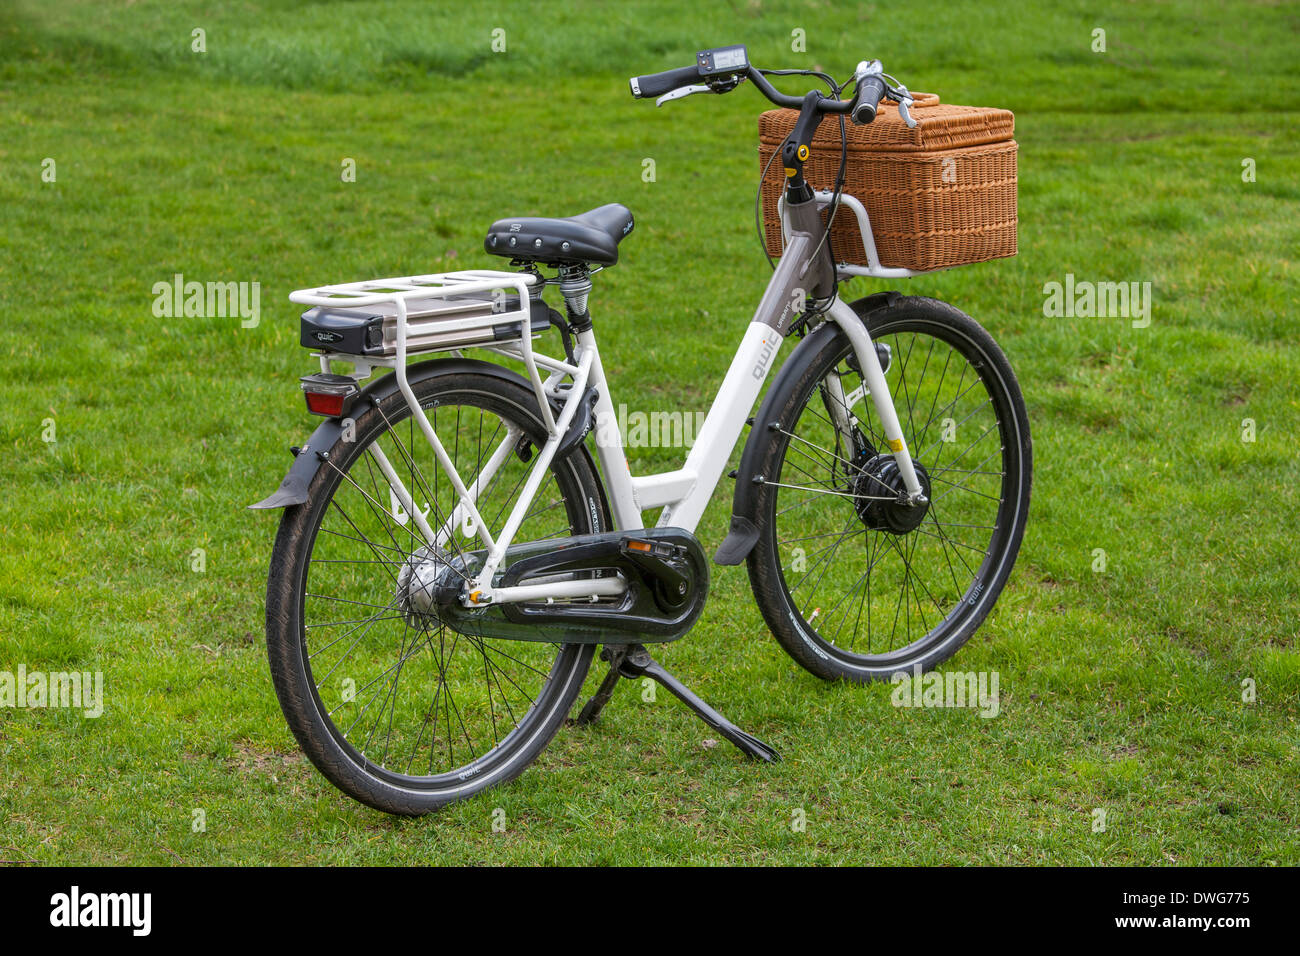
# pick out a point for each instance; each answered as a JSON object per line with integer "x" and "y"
{"x": 329, "y": 395}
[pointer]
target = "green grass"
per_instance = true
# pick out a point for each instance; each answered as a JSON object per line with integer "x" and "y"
{"x": 1119, "y": 690}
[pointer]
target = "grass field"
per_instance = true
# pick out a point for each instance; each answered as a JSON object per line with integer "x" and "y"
{"x": 1121, "y": 689}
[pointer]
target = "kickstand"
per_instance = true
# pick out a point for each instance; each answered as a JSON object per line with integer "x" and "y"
{"x": 633, "y": 661}
{"x": 591, "y": 710}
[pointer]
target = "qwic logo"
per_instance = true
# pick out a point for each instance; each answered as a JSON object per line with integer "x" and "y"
{"x": 77, "y": 909}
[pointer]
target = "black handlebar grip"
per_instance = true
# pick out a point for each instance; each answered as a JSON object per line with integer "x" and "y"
{"x": 655, "y": 84}
{"x": 870, "y": 91}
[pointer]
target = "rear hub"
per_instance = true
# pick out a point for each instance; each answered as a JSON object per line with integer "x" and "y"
{"x": 426, "y": 583}
{"x": 884, "y": 505}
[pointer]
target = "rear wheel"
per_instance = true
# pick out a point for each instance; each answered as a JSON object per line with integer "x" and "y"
{"x": 854, "y": 584}
{"x": 397, "y": 709}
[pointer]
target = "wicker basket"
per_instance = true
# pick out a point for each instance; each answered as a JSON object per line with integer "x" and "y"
{"x": 942, "y": 194}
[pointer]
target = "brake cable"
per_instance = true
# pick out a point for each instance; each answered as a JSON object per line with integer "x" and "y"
{"x": 836, "y": 90}
{"x": 758, "y": 195}
{"x": 835, "y": 208}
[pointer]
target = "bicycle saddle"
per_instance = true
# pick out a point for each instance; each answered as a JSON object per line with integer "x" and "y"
{"x": 591, "y": 237}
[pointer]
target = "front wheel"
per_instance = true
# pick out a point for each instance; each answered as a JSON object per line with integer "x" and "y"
{"x": 855, "y": 585}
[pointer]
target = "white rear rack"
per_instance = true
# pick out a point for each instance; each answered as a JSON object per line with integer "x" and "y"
{"x": 431, "y": 312}
{"x": 416, "y": 296}
{"x": 373, "y": 291}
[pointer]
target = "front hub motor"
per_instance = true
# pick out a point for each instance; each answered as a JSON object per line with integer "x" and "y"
{"x": 883, "y": 503}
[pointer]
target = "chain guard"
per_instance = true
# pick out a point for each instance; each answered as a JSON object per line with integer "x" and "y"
{"x": 667, "y": 588}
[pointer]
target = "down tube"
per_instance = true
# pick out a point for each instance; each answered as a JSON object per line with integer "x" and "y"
{"x": 717, "y": 437}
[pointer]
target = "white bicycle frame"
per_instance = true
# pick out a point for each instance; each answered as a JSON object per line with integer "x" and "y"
{"x": 683, "y": 494}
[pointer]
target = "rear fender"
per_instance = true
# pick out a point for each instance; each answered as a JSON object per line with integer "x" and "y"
{"x": 294, "y": 488}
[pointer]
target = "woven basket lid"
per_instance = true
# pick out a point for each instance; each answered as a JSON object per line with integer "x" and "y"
{"x": 938, "y": 126}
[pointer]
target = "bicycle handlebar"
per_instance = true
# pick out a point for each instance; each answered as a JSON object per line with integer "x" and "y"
{"x": 870, "y": 88}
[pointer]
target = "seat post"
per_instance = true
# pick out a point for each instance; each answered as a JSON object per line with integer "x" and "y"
{"x": 575, "y": 284}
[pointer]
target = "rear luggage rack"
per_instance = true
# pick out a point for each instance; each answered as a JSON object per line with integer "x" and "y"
{"x": 381, "y": 322}
{"x": 384, "y": 318}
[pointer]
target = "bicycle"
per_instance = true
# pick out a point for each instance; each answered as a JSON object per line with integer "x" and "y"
{"x": 436, "y": 597}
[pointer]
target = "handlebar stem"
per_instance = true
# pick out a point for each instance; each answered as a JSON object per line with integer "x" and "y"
{"x": 795, "y": 150}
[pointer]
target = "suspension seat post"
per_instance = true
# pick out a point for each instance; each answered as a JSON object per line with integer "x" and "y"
{"x": 575, "y": 285}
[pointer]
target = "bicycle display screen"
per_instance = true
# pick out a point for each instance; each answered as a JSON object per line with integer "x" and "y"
{"x": 727, "y": 59}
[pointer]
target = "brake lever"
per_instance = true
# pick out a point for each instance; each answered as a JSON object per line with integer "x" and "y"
{"x": 682, "y": 92}
{"x": 720, "y": 85}
{"x": 904, "y": 100}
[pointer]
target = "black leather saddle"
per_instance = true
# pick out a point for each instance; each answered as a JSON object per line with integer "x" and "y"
{"x": 592, "y": 237}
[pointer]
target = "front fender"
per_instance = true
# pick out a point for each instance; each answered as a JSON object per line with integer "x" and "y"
{"x": 293, "y": 489}
{"x": 743, "y": 533}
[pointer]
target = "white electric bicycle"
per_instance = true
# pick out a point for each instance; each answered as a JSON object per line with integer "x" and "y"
{"x": 460, "y": 535}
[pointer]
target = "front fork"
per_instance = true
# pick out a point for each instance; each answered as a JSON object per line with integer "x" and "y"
{"x": 801, "y": 212}
{"x": 873, "y": 380}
